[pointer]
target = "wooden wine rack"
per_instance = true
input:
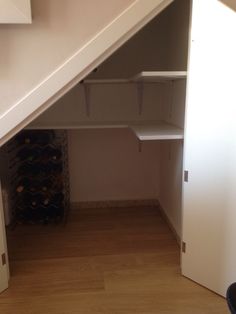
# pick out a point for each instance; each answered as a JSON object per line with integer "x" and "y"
{"x": 39, "y": 177}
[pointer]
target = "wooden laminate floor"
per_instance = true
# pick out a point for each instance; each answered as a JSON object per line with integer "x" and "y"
{"x": 103, "y": 261}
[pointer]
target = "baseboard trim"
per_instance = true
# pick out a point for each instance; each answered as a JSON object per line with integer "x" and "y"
{"x": 114, "y": 204}
{"x": 169, "y": 223}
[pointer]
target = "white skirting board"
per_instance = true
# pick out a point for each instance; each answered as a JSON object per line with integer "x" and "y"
{"x": 114, "y": 204}
{"x": 169, "y": 223}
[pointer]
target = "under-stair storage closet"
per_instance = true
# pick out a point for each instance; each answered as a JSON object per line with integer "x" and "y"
{"x": 125, "y": 121}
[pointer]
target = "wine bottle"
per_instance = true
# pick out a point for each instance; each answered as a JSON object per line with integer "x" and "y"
{"x": 27, "y": 185}
{"x": 30, "y": 169}
{"x": 40, "y": 179}
{"x": 31, "y": 200}
{"x": 46, "y": 185}
{"x": 40, "y": 137}
{"x": 28, "y": 154}
{"x": 53, "y": 168}
{"x": 23, "y": 184}
{"x": 52, "y": 184}
{"x": 45, "y": 137}
{"x": 57, "y": 199}
{"x": 53, "y": 212}
{"x": 53, "y": 154}
{"x": 26, "y": 137}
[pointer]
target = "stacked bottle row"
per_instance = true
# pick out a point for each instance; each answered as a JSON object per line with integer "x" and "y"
{"x": 39, "y": 176}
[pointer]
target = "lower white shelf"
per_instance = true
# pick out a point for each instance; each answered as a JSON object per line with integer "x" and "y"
{"x": 144, "y": 130}
{"x": 79, "y": 125}
{"x": 159, "y": 131}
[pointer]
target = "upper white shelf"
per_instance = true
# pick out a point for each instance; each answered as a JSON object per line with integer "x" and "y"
{"x": 158, "y": 76}
{"x": 146, "y": 76}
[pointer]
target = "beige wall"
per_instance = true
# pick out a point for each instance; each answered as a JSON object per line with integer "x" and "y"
{"x": 161, "y": 45}
{"x": 60, "y": 27}
{"x": 146, "y": 51}
{"x": 107, "y": 102}
{"x": 230, "y": 3}
{"x": 178, "y": 35}
{"x": 106, "y": 165}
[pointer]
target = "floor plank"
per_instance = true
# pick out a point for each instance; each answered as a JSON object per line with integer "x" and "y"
{"x": 103, "y": 261}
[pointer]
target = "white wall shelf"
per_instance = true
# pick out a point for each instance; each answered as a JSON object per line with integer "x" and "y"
{"x": 79, "y": 125}
{"x": 159, "y": 76}
{"x": 145, "y": 131}
{"x": 158, "y": 131}
{"x": 145, "y": 76}
{"x": 106, "y": 81}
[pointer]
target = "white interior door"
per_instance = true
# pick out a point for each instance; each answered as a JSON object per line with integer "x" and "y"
{"x": 4, "y": 269}
{"x": 209, "y": 197}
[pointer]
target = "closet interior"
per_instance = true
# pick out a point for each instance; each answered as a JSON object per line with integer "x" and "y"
{"x": 125, "y": 121}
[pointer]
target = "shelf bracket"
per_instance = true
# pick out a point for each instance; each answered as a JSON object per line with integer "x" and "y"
{"x": 87, "y": 98}
{"x": 140, "y": 88}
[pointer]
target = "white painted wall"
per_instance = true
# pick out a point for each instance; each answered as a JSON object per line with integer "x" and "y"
{"x": 170, "y": 197}
{"x": 174, "y": 112}
{"x": 30, "y": 52}
{"x": 108, "y": 102}
{"x": 106, "y": 165}
{"x": 171, "y": 159}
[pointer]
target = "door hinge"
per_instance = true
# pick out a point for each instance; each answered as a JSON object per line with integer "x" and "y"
{"x": 183, "y": 247}
{"x": 185, "y": 176}
{"x": 4, "y": 260}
